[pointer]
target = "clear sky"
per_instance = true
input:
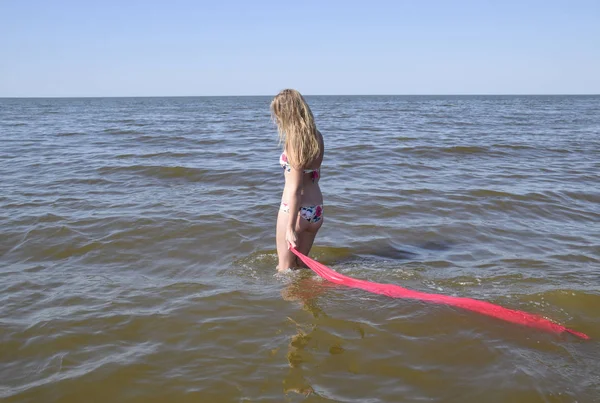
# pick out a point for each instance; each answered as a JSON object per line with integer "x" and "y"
{"x": 253, "y": 47}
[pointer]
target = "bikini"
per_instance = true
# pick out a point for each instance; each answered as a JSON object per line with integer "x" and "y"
{"x": 313, "y": 213}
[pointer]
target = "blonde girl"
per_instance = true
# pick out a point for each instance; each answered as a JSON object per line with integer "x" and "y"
{"x": 301, "y": 210}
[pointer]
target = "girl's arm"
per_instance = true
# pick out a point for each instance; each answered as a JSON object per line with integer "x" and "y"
{"x": 294, "y": 185}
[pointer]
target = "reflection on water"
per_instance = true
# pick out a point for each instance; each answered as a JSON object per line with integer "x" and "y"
{"x": 304, "y": 290}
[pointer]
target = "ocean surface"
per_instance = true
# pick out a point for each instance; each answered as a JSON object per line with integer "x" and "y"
{"x": 137, "y": 251}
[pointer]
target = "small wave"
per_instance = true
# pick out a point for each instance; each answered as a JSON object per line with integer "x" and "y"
{"x": 369, "y": 129}
{"x": 513, "y": 146}
{"x": 84, "y": 181}
{"x": 24, "y": 205}
{"x": 513, "y": 176}
{"x": 69, "y": 249}
{"x": 386, "y": 110}
{"x": 435, "y": 152}
{"x": 126, "y": 156}
{"x": 324, "y": 254}
{"x": 234, "y": 130}
{"x": 584, "y": 196}
{"x": 357, "y": 147}
{"x": 489, "y": 193}
{"x": 121, "y": 131}
{"x": 465, "y": 150}
{"x": 462, "y": 123}
{"x": 159, "y": 139}
{"x": 36, "y": 242}
{"x": 585, "y": 301}
{"x": 421, "y": 191}
{"x": 130, "y": 122}
{"x": 560, "y": 150}
{"x": 69, "y": 134}
{"x": 571, "y": 257}
{"x": 166, "y": 136}
{"x": 158, "y": 171}
{"x": 167, "y": 154}
{"x": 208, "y": 141}
{"x": 49, "y": 217}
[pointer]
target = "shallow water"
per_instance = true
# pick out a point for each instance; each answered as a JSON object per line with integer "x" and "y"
{"x": 137, "y": 254}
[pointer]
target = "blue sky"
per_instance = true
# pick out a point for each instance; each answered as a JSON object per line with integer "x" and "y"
{"x": 226, "y": 47}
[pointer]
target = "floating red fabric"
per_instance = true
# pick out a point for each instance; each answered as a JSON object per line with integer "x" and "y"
{"x": 394, "y": 291}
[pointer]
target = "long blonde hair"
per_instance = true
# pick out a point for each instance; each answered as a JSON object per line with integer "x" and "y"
{"x": 297, "y": 128}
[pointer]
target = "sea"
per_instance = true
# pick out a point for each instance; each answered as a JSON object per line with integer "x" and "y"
{"x": 138, "y": 259}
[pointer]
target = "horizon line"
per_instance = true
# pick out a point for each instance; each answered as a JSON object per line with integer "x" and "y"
{"x": 307, "y": 95}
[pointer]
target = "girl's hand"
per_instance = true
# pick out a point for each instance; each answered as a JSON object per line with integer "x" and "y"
{"x": 291, "y": 238}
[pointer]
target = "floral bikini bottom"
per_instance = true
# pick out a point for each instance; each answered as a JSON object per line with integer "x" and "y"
{"x": 312, "y": 214}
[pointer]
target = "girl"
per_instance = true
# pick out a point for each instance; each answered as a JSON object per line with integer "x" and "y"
{"x": 301, "y": 211}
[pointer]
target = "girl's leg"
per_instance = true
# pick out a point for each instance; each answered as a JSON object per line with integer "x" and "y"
{"x": 306, "y": 232}
{"x": 306, "y": 239}
{"x": 287, "y": 259}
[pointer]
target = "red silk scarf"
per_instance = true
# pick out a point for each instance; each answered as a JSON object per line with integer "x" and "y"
{"x": 482, "y": 307}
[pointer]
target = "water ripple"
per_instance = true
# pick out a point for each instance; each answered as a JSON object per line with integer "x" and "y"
{"x": 137, "y": 251}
